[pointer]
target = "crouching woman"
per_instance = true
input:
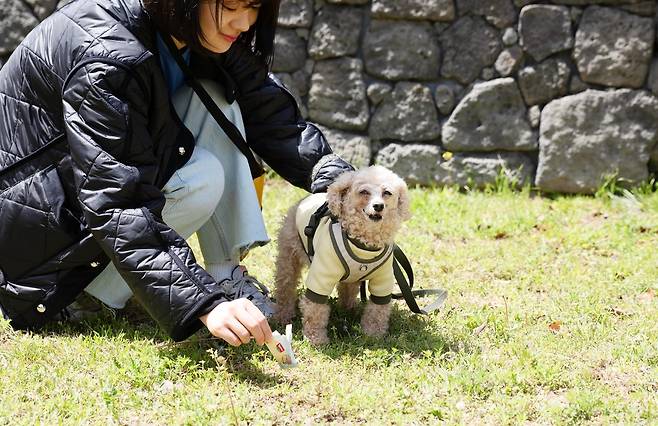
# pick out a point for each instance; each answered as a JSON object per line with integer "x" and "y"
{"x": 113, "y": 151}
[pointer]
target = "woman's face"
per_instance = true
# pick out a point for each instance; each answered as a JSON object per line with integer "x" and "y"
{"x": 219, "y": 32}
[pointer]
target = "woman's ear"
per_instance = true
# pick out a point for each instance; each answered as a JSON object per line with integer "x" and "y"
{"x": 337, "y": 191}
{"x": 404, "y": 208}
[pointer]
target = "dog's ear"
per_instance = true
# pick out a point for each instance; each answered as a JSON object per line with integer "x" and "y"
{"x": 337, "y": 191}
{"x": 404, "y": 208}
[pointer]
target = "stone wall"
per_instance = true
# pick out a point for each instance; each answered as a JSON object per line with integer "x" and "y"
{"x": 561, "y": 94}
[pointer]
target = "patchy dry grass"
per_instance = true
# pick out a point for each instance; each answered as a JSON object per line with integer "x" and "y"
{"x": 550, "y": 320}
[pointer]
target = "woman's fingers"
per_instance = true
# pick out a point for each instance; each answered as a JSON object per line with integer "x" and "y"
{"x": 228, "y": 336}
{"x": 237, "y": 321}
{"x": 261, "y": 328}
{"x": 236, "y": 326}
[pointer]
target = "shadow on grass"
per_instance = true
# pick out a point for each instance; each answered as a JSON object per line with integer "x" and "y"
{"x": 410, "y": 335}
{"x": 134, "y": 326}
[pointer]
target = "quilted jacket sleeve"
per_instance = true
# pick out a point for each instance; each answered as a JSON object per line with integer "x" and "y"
{"x": 106, "y": 113}
{"x": 295, "y": 149}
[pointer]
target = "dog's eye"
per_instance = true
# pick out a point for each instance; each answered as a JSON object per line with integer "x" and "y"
{"x": 364, "y": 192}
{"x": 387, "y": 193}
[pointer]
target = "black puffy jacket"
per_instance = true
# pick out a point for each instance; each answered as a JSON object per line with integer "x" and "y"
{"x": 88, "y": 138}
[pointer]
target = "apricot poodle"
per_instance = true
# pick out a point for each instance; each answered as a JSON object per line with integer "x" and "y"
{"x": 353, "y": 243}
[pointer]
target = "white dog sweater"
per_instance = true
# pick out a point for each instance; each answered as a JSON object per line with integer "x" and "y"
{"x": 337, "y": 258}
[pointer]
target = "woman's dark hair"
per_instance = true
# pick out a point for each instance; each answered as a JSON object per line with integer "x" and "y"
{"x": 180, "y": 18}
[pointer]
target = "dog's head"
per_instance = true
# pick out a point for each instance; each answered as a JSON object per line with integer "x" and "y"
{"x": 370, "y": 203}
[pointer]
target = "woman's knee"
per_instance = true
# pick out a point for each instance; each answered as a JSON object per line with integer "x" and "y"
{"x": 208, "y": 186}
{"x": 194, "y": 192}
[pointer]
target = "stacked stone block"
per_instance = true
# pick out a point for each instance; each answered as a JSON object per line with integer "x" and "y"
{"x": 561, "y": 94}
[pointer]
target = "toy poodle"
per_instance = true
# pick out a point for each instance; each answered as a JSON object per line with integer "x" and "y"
{"x": 352, "y": 243}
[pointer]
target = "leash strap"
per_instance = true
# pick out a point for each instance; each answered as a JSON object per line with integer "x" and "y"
{"x": 401, "y": 262}
{"x": 229, "y": 128}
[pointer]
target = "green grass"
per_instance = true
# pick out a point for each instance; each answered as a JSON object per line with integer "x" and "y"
{"x": 513, "y": 263}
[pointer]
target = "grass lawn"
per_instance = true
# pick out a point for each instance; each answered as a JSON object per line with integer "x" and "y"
{"x": 550, "y": 319}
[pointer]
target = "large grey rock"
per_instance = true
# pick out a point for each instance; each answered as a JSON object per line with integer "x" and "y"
{"x": 41, "y": 8}
{"x": 430, "y": 10}
{"x": 336, "y": 31}
{"x": 355, "y": 149}
{"x": 338, "y": 94}
{"x": 613, "y": 48}
{"x": 545, "y": 30}
{"x": 296, "y": 13}
{"x": 500, "y": 13}
{"x": 482, "y": 169}
{"x": 544, "y": 82}
{"x": 423, "y": 165}
{"x": 408, "y": 114}
{"x": 586, "y": 137}
{"x": 491, "y": 117}
{"x": 509, "y": 61}
{"x": 289, "y": 52}
{"x": 469, "y": 45}
{"x": 16, "y": 20}
{"x": 417, "y": 164}
{"x": 401, "y": 50}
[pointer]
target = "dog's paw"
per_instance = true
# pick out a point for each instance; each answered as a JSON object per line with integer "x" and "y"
{"x": 374, "y": 330}
{"x": 317, "y": 337}
{"x": 374, "y": 321}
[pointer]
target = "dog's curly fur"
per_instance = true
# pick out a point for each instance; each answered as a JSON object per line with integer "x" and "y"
{"x": 354, "y": 199}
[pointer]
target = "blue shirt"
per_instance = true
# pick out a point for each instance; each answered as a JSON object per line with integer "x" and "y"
{"x": 172, "y": 72}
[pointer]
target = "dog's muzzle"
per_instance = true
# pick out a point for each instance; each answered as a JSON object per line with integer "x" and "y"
{"x": 375, "y": 217}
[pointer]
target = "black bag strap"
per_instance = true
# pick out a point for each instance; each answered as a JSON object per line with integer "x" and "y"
{"x": 229, "y": 128}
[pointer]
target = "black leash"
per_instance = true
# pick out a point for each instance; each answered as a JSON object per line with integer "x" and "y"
{"x": 407, "y": 293}
{"x": 229, "y": 128}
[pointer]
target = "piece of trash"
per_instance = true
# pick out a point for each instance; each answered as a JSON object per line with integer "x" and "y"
{"x": 281, "y": 348}
{"x": 555, "y": 326}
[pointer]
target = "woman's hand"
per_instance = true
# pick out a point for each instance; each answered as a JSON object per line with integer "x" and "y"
{"x": 237, "y": 321}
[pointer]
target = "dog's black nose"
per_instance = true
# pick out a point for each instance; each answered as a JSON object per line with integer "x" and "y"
{"x": 378, "y": 207}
